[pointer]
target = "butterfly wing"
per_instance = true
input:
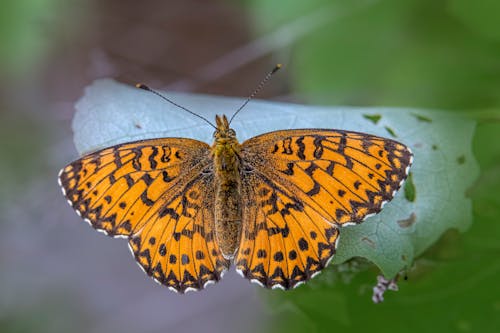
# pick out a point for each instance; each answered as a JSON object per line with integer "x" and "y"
{"x": 307, "y": 183}
{"x": 283, "y": 241}
{"x": 177, "y": 246}
{"x": 159, "y": 194}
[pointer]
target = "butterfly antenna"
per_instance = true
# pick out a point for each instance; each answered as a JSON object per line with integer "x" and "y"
{"x": 145, "y": 87}
{"x": 259, "y": 87}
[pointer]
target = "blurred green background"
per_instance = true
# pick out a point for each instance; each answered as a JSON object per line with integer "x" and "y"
{"x": 56, "y": 275}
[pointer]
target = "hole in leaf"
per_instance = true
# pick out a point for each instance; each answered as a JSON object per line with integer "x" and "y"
{"x": 408, "y": 222}
{"x": 422, "y": 118}
{"x": 410, "y": 191}
{"x": 374, "y": 118}
{"x": 390, "y": 131}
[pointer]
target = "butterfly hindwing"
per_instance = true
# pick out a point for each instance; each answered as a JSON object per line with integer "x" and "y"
{"x": 177, "y": 246}
{"x": 344, "y": 176}
{"x": 283, "y": 241}
{"x": 158, "y": 193}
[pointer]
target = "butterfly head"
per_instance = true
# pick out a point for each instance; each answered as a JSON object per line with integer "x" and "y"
{"x": 223, "y": 132}
{"x": 226, "y": 146}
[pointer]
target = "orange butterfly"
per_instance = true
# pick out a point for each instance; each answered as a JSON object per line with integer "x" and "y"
{"x": 273, "y": 205}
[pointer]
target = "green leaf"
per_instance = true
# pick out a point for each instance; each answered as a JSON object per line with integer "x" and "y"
{"x": 111, "y": 113}
{"x": 451, "y": 288}
{"x": 420, "y": 53}
{"x": 479, "y": 16}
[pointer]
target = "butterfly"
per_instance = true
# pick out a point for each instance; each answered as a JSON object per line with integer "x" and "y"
{"x": 273, "y": 206}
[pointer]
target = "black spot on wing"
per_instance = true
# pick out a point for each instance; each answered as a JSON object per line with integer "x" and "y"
{"x": 302, "y": 148}
{"x": 151, "y": 158}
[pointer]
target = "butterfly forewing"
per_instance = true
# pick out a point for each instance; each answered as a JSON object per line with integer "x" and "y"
{"x": 158, "y": 193}
{"x": 342, "y": 175}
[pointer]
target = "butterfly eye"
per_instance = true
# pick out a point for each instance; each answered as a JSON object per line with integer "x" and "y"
{"x": 247, "y": 168}
{"x": 215, "y": 134}
{"x": 207, "y": 171}
{"x": 232, "y": 132}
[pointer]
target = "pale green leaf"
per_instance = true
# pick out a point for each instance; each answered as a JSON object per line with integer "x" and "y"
{"x": 435, "y": 201}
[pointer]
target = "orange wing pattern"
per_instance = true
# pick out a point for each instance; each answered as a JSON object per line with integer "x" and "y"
{"x": 298, "y": 187}
{"x": 177, "y": 246}
{"x": 145, "y": 188}
{"x": 307, "y": 183}
{"x": 345, "y": 176}
{"x": 283, "y": 242}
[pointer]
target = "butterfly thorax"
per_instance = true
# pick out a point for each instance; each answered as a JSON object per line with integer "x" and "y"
{"x": 225, "y": 152}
